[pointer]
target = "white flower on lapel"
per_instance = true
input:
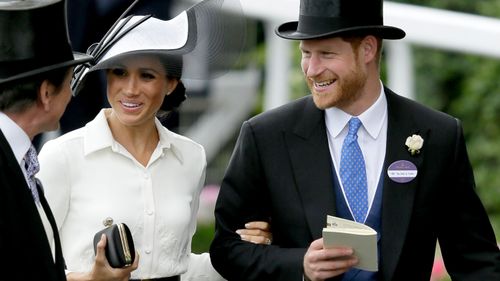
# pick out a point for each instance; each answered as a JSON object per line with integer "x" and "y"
{"x": 414, "y": 144}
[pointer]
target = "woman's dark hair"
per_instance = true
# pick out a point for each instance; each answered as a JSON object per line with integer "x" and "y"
{"x": 173, "y": 66}
{"x": 17, "y": 96}
{"x": 174, "y": 99}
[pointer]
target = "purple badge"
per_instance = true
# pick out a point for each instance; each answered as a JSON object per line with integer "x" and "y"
{"x": 402, "y": 171}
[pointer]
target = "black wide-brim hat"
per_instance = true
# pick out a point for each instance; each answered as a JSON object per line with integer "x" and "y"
{"x": 34, "y": 39}
{"x": 332, "y": 18}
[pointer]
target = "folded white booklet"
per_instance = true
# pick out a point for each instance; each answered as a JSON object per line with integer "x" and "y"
{"x": 361, "y": 238}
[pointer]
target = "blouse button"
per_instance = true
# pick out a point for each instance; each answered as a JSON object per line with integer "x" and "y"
{"x": 148, "y": 252}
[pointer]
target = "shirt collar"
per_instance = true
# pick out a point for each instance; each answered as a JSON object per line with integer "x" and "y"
{"x": 168, "y": 140}
{"x": 98, "y": 136}
{"x": 371, "y": 118}
{"x": 16, "y": 137}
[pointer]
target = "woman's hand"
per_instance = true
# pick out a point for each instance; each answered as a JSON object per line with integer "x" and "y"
{"x": 258, "y": 232}
{"x": 102, "y": 271}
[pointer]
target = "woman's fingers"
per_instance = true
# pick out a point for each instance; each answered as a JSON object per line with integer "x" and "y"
{"x": 258, "y": 232}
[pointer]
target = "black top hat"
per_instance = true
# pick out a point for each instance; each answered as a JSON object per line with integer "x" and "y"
{"x": 329, "y": 18}
{"x": 34, "y": 39}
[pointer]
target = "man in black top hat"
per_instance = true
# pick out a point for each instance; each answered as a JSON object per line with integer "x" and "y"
{"x": 405, "y": 165}
{"x": 36, "y": 67}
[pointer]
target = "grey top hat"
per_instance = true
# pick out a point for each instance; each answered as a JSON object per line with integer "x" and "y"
{"x": 34, "y": 39}
{"x": 330, "y": 18}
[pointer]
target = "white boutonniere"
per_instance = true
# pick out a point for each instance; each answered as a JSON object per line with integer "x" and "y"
{"x": 414, "y": 144}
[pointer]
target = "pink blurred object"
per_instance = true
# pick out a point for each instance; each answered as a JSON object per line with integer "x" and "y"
{"x": 208, "y": 197}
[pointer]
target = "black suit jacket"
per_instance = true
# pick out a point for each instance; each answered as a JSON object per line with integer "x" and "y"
{"x": 23, "y": 241}
{"x": 281, "y": 171}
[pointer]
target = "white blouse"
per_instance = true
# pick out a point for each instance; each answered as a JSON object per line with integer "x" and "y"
{"x": 89, "y": 177}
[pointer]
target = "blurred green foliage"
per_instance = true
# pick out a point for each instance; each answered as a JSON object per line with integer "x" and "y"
{"x": 467, "y": 87}
{"x": 202, "y": 238}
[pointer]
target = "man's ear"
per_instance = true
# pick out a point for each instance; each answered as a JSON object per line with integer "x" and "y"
{"x": 45, "y": 95}
{"x": 369, "y": 45}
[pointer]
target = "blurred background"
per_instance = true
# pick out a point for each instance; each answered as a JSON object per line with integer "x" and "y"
{"x": 449, "y": 60}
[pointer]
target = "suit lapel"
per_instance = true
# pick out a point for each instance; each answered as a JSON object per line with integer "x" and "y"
{"x": 57, "y": 243}
{"x": 18, "y": 185}
{"x": 27, "y": 218}
{"x": 398, "y": 198}
{"x": 311, "y": 164}
{"x": 10, "y": 163}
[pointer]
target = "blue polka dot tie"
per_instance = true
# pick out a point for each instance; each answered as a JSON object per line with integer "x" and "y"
{"x": 32, "y": 167}
{"x": 353, "y": 172}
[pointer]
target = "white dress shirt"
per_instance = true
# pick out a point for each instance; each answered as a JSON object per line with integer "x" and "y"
{"x": 89, "y": 177}
{"x": 372, "y": 138}
{"x": 20, "y": 143}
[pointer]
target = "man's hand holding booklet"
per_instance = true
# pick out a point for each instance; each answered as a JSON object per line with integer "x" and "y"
{"x": 361, "y": 238}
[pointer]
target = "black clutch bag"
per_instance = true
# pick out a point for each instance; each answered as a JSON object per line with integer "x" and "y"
{"x": 120, "y": 249}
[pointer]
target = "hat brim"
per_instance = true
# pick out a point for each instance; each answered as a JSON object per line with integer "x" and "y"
{"x": 205, "y": 36}
{"x": 147, "y": 38}
{"x": 78, "y": 58}
{"x": 150, "y": 37}
{"x": 173, "y": 57}
{"x": 288, "y": 30}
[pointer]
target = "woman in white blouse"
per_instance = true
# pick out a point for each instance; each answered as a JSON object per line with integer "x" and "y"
{"x": 126, "y": 167}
